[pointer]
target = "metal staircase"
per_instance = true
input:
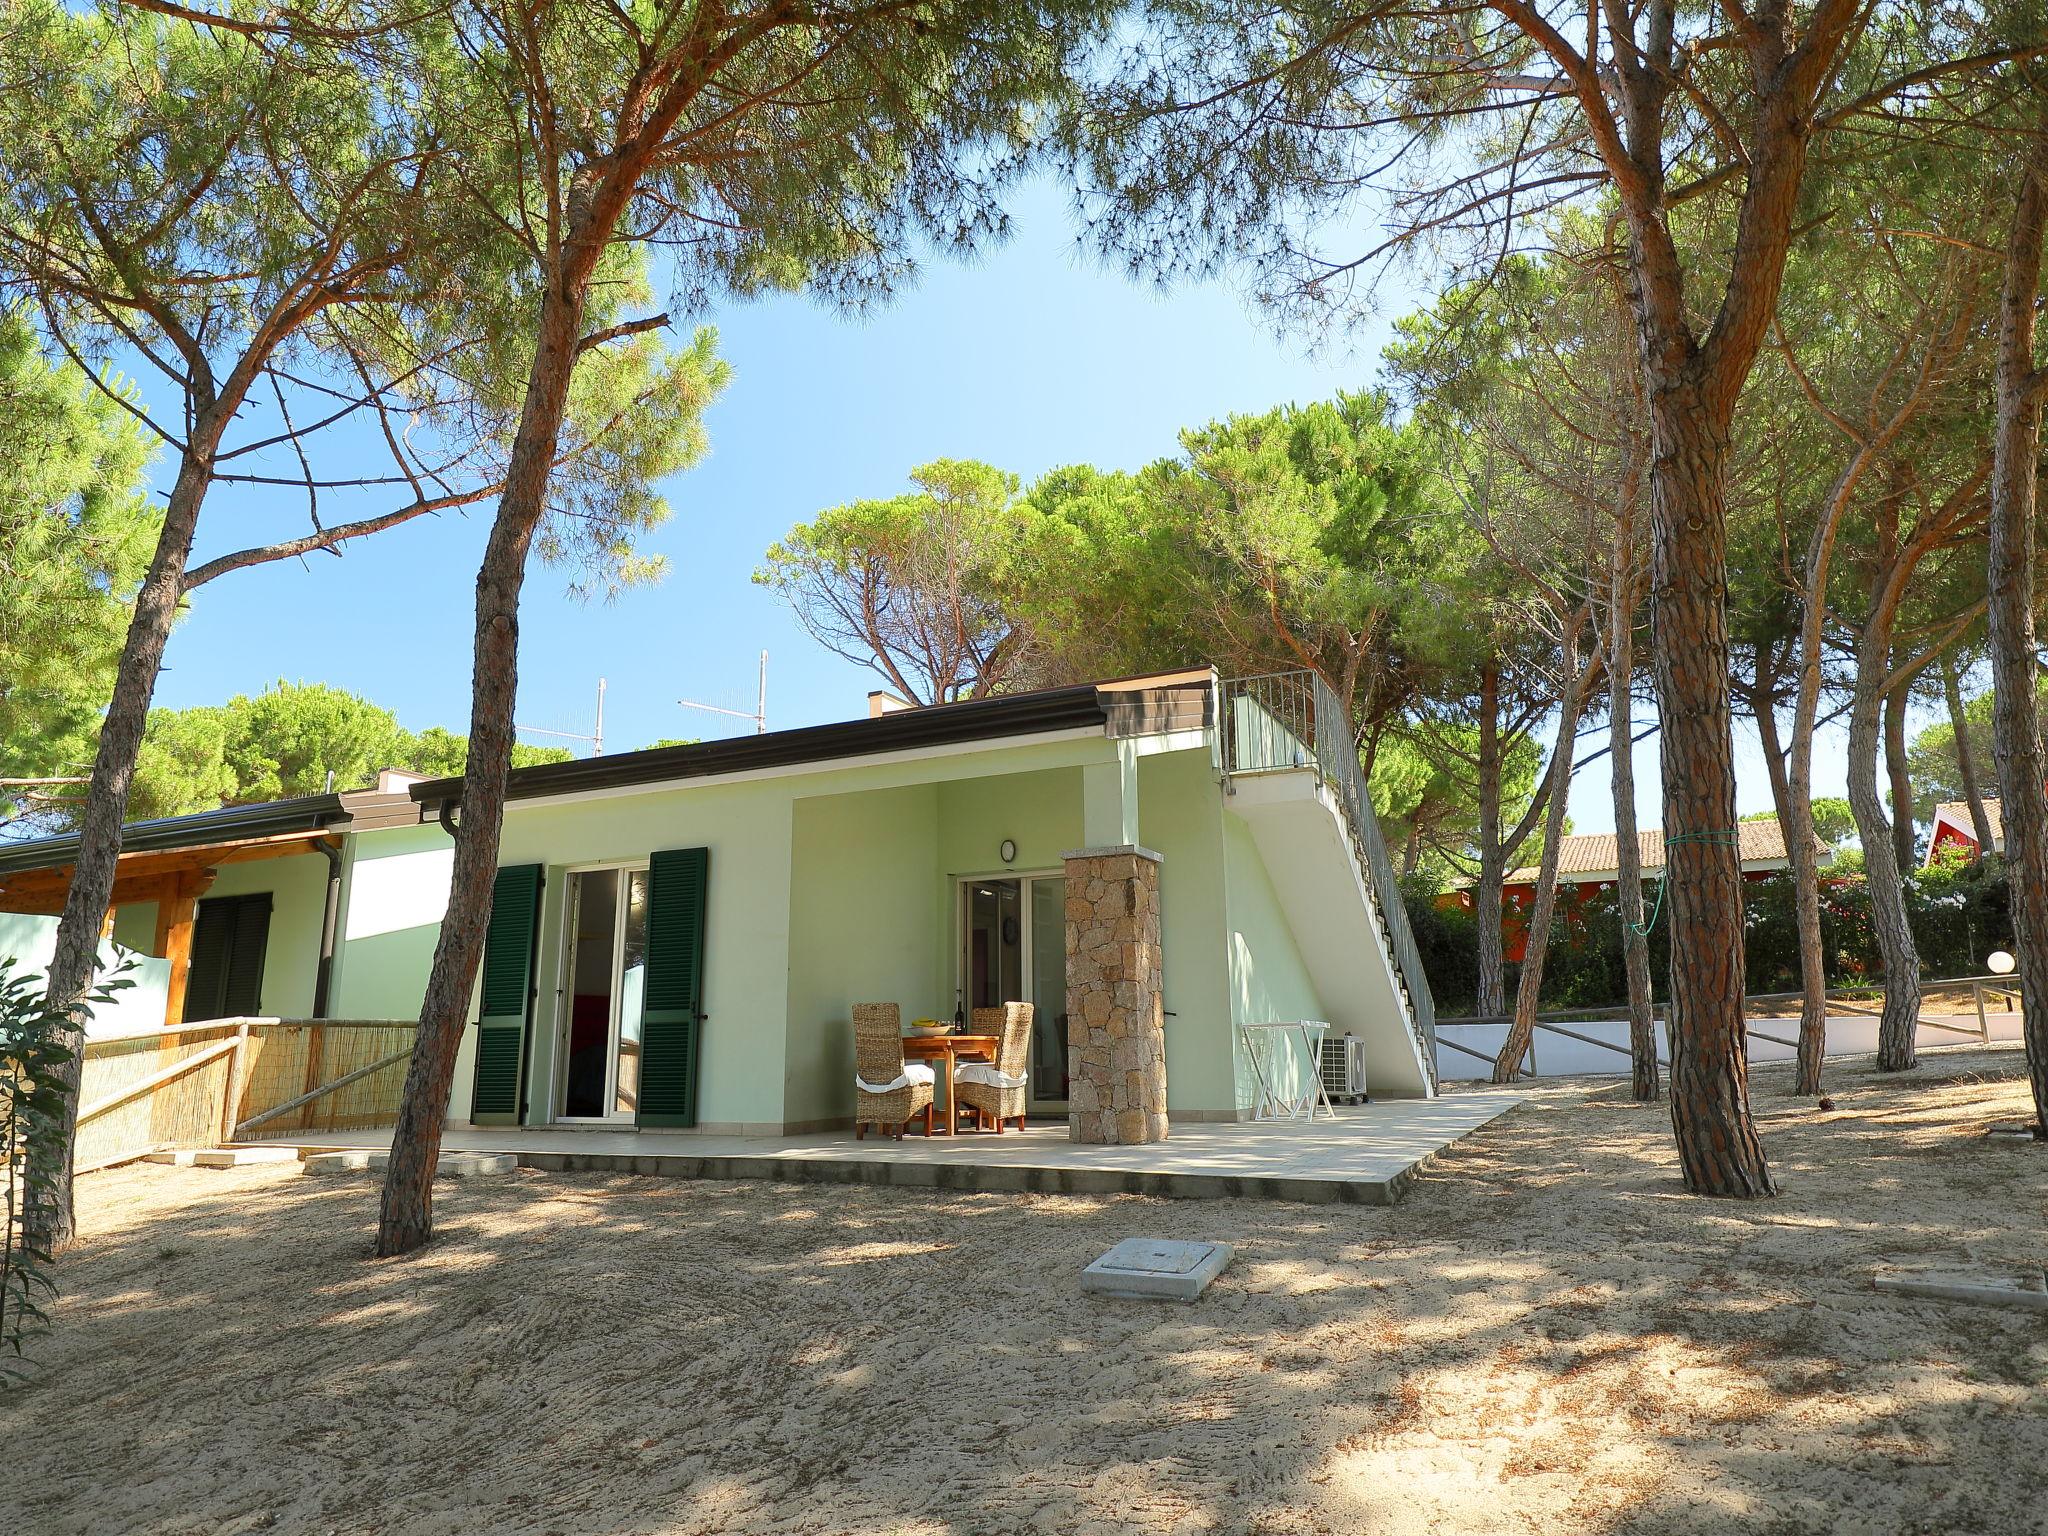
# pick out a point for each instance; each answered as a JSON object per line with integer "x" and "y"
{"x": 1294, "y": 721}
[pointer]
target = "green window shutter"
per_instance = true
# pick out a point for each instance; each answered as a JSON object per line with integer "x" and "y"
{"x": 507, "y": 995}
{"x": 213, "y": 932}
{"x": 672, "y": 1010}
{"x": 245, "y": 962}
{"x": 229, "y": 937}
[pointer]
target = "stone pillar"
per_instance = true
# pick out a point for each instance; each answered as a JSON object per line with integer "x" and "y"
{"x": 1116, "y": 1032}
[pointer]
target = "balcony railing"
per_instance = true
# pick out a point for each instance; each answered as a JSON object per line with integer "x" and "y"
{"x": 1294, "y": 720}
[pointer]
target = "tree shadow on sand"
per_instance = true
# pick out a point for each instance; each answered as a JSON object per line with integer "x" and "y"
{"x": 1544, "y": 1334}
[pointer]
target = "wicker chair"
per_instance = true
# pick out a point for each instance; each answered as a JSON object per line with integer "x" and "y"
{"x": 888, "y": 1090}
{"x": 995, "y": 1091}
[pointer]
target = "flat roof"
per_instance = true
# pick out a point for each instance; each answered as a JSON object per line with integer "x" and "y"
{"x": 361, "y": 809}
{"x": 231, "y": 823}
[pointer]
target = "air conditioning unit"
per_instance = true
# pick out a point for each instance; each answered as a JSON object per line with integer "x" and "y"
{"x": 1344, "y": 1069}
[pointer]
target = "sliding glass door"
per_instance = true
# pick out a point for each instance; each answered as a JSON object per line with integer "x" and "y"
{"x": 1013, "y": 948}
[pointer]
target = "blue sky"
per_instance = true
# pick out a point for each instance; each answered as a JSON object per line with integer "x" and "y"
{"x": 1034, "y": 356}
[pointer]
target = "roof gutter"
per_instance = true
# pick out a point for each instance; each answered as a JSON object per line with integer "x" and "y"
{"x": 238, "y": 823}
{"x": 330, "y": 922}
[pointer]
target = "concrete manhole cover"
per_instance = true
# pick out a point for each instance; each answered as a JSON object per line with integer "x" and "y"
{"x": 1157, "y": 1268}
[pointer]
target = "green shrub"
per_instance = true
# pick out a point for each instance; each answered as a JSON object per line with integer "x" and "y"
{"x": 1448, "y": 940}
{"x": 32, "y": 1134}
{"x": 1960, "y": 912}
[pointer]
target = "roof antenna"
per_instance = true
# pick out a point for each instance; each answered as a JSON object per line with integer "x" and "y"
{"x": 596, "y": 736}
{"x": 760, "y": 711}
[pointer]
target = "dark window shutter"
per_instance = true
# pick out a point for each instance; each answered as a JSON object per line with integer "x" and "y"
{"x": 245, "y": 961}
{"x": 507, "y": 995}
{"x": 229, "y": 937}
{"x": 213, "y": 931}
{"x": 672, "y": 1013}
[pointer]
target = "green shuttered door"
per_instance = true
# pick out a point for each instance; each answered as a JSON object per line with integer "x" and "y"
{"x": 672, "y": 1018}
{"x": 507, "y": 995}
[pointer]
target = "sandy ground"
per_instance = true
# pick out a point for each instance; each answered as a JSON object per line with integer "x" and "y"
{"x": 1546, "y": 1336}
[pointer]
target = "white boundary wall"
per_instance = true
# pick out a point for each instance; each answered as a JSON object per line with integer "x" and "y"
{"x": 1560, "y": 1056}
{"x": 29, "y": 939}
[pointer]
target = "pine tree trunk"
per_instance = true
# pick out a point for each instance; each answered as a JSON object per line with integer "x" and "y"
{"x": 1644, "y": 1080}
{"x": 1798, "y": 806}
{"x": 1966, "y": 755}
{"x": 1813, "y": 971}
{"x": 406, "y": 1217}
{"x": 1904, "y": 850}
{"x": 1491, "y": 1001}
{"x": 1896, "y": 1028}
{"x": 1718, "y": 1148}
{"x": 2016, "y": 715}
{"x": 72, "y": 965}
{"x": 1529, "y": 987}
{"x": 1487, "y": 897}
{"x": 1791, "y": 776}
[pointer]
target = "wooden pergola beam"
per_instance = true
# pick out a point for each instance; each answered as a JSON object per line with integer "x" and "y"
{"x": 174, "y": 937}
{"x": 150, "y": 876}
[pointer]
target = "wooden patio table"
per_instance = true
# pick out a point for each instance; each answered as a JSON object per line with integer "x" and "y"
{"x": 949, "y": 1049}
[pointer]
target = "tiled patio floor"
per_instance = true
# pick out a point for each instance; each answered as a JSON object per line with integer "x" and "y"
{"x": 1368, "y": 1154}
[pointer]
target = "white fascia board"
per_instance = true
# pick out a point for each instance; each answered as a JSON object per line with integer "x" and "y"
{"x": 1142, "y": 746}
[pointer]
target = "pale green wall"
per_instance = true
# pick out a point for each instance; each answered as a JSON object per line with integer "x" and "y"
{"x": 395, "y": 893}
{"x": 1269, "y": 982}
{"x": 864, "y": 927}
{"x": 827, "y": 888}
{"x": 746, "y": 975}
{"x": 291, "y": 960}
{"x": 876, "y": 882}
{"x": 135, "y": 926}
{"x": 29, "y": 939}
{"x": 1180, "y": 817}
{"x": 1040, "y": 812}
{"x": 298, "y": 887}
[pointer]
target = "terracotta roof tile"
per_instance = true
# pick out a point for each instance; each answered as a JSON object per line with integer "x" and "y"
{"x": 1595, "y": 855}
{"x": 1958, "y": 811}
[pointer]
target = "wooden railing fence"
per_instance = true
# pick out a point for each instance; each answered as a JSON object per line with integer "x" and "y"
{"x": 200, "y": 1085}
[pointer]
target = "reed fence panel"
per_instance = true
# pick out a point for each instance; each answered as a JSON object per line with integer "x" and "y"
{"x": 192, "y": 1085}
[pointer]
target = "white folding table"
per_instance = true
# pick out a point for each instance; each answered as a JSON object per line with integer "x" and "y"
{"x": 1272, "y": 1102}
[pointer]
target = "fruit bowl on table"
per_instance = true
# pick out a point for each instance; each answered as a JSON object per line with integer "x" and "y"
{"x": 923, "y": 1028}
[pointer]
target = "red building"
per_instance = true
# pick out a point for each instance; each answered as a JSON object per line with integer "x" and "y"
{"x": 1589, "y": 864}
{"x": 1953, "y": 829}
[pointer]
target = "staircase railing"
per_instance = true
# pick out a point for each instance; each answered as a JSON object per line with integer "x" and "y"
{"x": 1294, "y": 720}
